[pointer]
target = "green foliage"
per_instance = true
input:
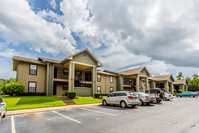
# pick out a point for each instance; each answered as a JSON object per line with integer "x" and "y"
{"x": 71, "y": 94}
{"x": 33, "y": 94}
{"x": 175, "y": 93}
{"x": 193, "y": 84}
{"x": 86, "y": 100}
{"x": 13, "y": 88}
{"x": 29, "y": 102}
{"x": 2, "y": 81}
{"x": 180, "y": 76}
{"x": 97, "y": 94}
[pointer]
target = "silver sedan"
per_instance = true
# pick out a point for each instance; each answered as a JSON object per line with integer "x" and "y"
{"x": 2, "y": 109}
{"x": 145, "y": 98}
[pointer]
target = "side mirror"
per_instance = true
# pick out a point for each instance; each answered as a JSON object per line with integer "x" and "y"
{"x": 2, "y": 103}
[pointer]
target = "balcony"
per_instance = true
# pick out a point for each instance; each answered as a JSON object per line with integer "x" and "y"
{"x": 60, "y": 77}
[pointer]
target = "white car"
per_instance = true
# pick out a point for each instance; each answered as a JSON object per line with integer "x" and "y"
{"x": 167, "y": 96}
{"x": 2, "y": 109}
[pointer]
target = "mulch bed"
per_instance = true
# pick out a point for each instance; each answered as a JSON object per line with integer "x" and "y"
{"x": 67, "y": 100}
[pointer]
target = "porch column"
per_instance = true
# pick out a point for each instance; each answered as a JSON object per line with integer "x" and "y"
{"x": 186, "y": 87}
{"x": 94, "y": 75}
{"x": 147, "y": 83}
{"x": 166, "y": 86}
{"x": 137, "y": 83}
{"x": 183, "y": 87}
{"x": 154, "y": 86}
{"x": 172, "y": 88}
{"x": 71, "y": 76}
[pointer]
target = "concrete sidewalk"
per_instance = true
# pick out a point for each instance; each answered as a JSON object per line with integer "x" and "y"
{"x": 36, "y": 110}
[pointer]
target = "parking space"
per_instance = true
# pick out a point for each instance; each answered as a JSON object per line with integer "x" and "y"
{"x": 176, "y": 116}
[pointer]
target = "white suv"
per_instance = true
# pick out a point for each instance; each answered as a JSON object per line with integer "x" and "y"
{"x": 167, "y": 96}
{"x": 122, "y": 98}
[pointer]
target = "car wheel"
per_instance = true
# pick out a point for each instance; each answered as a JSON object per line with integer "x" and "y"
{"x": 141, "y": 102}
{"x": 123, "y": 104}
{"x": 192, "y": 96}
{"x": 104, "y": 103}
{"x": 164, "y": 99}
{"x": 148, "y": 104}
{"x": 4, "y": 115}
{"x": 133, "y": 106}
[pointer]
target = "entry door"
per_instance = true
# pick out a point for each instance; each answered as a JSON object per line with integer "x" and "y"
{"x": 55, "y": 89}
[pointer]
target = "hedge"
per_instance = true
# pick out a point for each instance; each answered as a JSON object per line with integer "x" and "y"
{"x": 97, "y": 94}
{"x": 33, "y": 94}
{"x": 71, "y": 94}
{"x": 13, "y": 88}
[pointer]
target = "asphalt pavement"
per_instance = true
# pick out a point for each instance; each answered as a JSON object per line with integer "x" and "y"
{"x": 179, "y": 115}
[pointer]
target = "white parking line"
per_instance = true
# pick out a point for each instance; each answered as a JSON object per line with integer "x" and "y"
{"x": 98, "y": 112}
{"x": 66, "y": 117}
{"x": 13, "y": 124}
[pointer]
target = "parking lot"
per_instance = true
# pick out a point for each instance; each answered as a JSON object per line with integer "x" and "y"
{"x": 177, "y": 116}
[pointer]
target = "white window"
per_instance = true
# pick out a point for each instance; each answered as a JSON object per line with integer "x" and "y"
{"x": 99, "y": 89}
{"x": 32, "y": 87}
{"x": 33, "y": 69}
{"x": 98, "y": 78}
{"x": 111, "y": 89}
{"x": 111, "y": 79}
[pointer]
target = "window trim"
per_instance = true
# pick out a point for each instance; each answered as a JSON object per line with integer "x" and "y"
{"x": 98, "y": 79}
{"x": 36, "y": 69}
{"x": 111, "y": 77}
{"x": 100, "y": 89}
{"x": 35, "y": 85}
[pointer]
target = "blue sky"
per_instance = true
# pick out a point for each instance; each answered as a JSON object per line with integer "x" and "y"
{"x": 121, "y": 35}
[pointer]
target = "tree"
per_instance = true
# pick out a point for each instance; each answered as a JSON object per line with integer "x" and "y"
{"x": 180, "y": 76}
{"x": 13, "y": 88}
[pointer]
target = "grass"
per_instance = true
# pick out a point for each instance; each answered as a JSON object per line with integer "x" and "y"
{"x": 29, "y": 102}
{"x": 86, "y": 100}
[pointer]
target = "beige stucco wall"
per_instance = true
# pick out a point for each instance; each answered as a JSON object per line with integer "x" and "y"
{"x": 60, "y": 90}
{"x": 23, "y": 75}
{"x": 105, "y": 84}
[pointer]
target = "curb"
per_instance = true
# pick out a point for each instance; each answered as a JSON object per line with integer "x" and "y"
{"x": 37, "y": 110}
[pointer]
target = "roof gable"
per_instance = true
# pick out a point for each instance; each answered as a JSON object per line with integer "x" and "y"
{"x": 163, "y": 78}
{"x": 139, "y": 70}
{"x": 145, "y": 72}
{"x": 84, "y": 56}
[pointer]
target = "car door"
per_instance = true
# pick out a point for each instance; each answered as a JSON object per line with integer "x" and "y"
{"x": 111, "y": 98}
{"x": 117, "y": 98}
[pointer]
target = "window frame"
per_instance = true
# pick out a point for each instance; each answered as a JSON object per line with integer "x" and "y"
{"x": 98, "y": 79}
{"x": 111, "y": 79}
{"x": 35, "y": 85}
{"x": 100, "y": 89}
{"x": 36, "y": 69}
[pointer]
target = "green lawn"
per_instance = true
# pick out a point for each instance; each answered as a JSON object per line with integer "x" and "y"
{"x": 28, "y": 102}
{"x": 86, "y": 100}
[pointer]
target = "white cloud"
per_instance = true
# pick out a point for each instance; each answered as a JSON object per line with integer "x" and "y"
{"x": 9, "y": 53}
{"x": 19, "y": 24}
{"x": 162, "y": 35}
{"x": 53, "y": 4}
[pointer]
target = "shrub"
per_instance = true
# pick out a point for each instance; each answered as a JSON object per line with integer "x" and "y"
{"x": 33, "y": 94}
{"x": 13, "y": 88}
{"x": 104, "y": 94}
{"x": 71, "y": 94}
{"x": 97, "y": 94}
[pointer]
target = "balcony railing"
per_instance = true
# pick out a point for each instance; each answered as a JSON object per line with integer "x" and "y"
{"x": 60, "y": 75}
